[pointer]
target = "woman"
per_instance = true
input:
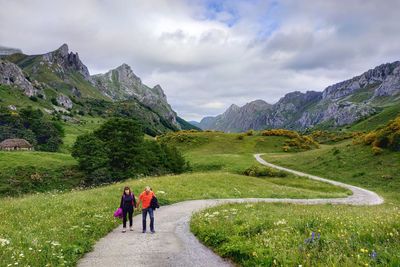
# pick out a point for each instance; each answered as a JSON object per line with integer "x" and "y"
{"x": 128, "y": 202}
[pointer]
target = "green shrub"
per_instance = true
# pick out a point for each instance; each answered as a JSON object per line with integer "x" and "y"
{"x": 296, "y": 142}
{"x": 263, "y": 171}
{"x": 385, "y": 137}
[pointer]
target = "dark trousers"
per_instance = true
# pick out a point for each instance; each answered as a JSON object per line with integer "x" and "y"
{"x": 144, "y": 216}
{"x": 129, "y": 212}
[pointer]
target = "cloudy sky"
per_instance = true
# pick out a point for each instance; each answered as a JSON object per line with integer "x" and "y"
{"x": 210, "y": 54}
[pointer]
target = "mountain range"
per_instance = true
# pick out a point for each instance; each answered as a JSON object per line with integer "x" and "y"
{"x": 338, "y": 105}
{"x": 59, "y": 81}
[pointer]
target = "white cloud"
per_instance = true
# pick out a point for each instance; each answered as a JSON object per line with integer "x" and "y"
{"x": 207, "y": 55}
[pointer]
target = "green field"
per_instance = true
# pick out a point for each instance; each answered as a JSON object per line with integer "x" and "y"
{"x": 57, "y": 228}
{"x": 281, "y": 234}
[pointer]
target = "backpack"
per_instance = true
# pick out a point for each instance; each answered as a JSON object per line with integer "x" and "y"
{"x": 154, "y": 203}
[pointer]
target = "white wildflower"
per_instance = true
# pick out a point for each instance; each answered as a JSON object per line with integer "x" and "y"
{"x": 4, "y": 242}
{"x": 160, "y": 192}
{"x": 280, "y": 222}
{"x": 55, "y": 243}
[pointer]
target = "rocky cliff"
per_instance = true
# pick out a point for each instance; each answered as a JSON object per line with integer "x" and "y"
{"x": 337, "y": 105}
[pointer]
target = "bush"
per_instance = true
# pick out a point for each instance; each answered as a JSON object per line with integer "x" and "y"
{"x": 377, "y": 150}
{"x": 296, "y": 141}
{"x": 385, "y": 137}
{"x": 250, "y": 133}
{"x": 240, "y": 137}
{"x": 33, "y": 98}
{"x": 263, "y": 171}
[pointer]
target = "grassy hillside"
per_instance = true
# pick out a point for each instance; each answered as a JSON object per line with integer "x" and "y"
{"x": 322, "y": 235}
{"x": 381, "y": 118}
{"x": 210, "y": 151}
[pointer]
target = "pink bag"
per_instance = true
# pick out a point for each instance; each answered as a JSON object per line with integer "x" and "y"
{"x": 118, "y": 213}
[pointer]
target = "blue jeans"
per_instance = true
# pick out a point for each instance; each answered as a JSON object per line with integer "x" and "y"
{"x": 144, "y": 216}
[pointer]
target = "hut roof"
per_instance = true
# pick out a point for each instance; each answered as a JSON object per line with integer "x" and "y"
{"x": 22, "y": 143}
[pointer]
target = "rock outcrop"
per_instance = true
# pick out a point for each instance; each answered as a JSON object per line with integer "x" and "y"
{"x": 340, "y": 104}
{"x": 64, "y": 101}
{"x": 11, "y": 74}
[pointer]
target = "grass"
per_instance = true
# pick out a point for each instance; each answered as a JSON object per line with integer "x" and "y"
{"x": 72, "y": 131}
{"x": 210, "y": 151}
{"x": 56, "y": 229}
{"x": 267, "y": 234}
{"x": 24, "y": 172}
{"x": 354, "y": 164}
{"x": 388, "y": 113}
{"x": 282, "y": 234}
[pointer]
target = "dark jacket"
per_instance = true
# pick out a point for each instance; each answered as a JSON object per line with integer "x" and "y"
{"x": 128, "y": 201}
{"x": 154, "y": 203}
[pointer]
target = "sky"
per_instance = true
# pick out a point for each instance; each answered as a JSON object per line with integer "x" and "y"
{"x": 209, "y": 54}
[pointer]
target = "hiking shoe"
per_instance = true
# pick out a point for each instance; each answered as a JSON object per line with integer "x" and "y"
{"x": 124, "y": 230}
{"x": 130, "y": 229}
{"x": 153, "y": 232}
{"x": 144, "y": 231}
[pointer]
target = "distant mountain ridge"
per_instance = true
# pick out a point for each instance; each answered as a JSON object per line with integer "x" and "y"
{"x": 60, "y": 78}
{"x": 337, "y": 105}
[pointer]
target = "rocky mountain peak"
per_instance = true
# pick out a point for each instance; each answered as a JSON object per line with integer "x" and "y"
{"x": 63, "y": 61}
{"x": 62, "y": 50}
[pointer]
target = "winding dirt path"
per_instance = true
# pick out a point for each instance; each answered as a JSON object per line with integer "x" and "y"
{"x": 174, "y": 245}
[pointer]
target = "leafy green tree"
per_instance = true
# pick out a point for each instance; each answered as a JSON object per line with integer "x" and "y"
{"x": 117, "y": 150}
{"x": 124, "y": 141}
{"x": 91, "y": 154}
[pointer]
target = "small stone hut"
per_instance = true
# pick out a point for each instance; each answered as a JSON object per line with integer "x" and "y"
{"x": 15, "y": 144}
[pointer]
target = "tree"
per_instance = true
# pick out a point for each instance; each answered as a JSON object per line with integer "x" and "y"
{"x": 124, "y": 141}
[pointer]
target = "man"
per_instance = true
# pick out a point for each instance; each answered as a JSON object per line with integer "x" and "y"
{"x": 145, "y": 198}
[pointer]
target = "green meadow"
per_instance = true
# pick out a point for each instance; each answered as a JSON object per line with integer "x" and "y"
{"x": 321, "y": 235}
{"x": 56, "y": 228}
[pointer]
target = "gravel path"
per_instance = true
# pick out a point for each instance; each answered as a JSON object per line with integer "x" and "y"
{"x": 174, "y": 245}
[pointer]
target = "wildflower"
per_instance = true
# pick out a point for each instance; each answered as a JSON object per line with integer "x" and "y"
{"x": 283, "y": 221}
{"x": 215, "y": 213}
{"x": 160, "y": 192}
{"x": 373, "y": 254}
{"x": 249, "y": 206}
{"x": 4, "y": 242}
{"x": 55, "y": 243}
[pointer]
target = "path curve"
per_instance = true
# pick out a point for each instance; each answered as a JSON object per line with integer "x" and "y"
{"x": 174, "y": 244}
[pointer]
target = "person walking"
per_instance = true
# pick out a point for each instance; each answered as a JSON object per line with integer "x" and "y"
{"x": 128, "y": 203}
{"x": 145, "y": 198}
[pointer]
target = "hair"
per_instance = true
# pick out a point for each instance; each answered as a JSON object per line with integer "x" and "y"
{"x": 147, "y": 188}
{"x": 127, "y": 188}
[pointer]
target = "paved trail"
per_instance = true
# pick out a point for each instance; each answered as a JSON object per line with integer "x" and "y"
{"x": 175, "y": 245}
